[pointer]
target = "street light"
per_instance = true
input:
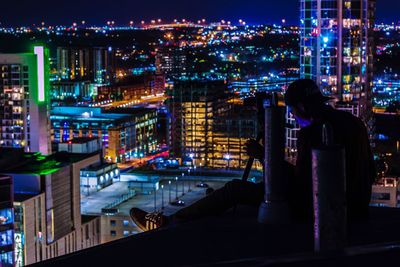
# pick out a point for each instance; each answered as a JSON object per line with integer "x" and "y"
{"x": 176, "y": 183}
{"x": 162, "y": 197}
{"x": 88, "y": 185}
{"x": 141, "y": 155}
{"x": 169, "y": 185}
{"x": 189, "y": 190}
{"x": 194, "y": 173}
{"x": 155, "y": 198}
{"x": 227, "y": 157}
{"x": 183, "y": 184}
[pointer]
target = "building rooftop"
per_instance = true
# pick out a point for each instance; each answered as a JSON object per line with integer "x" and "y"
{"x": 99, "y": 166}
{"x": 87, "y": 218}
{"x": 97, "y": 113}
{"x": 236, "y": 239}
{"x": 17, "y": 161}
{"x": 85, "y": 113}
{"x": 94, "y": 202}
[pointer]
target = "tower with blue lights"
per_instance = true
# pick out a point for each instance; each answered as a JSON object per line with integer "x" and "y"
{"x": 337, "y": 50}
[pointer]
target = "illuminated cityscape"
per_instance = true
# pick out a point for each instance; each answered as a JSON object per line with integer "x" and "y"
{"x": 154, "y": 110}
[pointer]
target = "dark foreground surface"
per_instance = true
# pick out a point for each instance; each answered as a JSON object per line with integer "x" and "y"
{"x": 238, "y": 240}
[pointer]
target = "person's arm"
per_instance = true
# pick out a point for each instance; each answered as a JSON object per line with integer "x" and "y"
{"x": 255, "y": 150}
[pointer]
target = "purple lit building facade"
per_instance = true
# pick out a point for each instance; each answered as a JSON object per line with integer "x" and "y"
{"x": 337, "y": 50}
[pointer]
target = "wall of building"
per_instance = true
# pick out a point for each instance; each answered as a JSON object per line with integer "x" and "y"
{"x": 116, "y": 227}
{"x": 386, "y": 193}
{"x": 124, "y": 133}
{"x": 7, "y": 243}
{"x": 88, "y": 235}
{"x": 30, "y": 222}
{"x": 133, "y": 88}
{"x": 85, "y": 63}
{"x": 209, "y": 125}
{"x": 172, "y": 61}
{"x": 20, "y": 72}
{"x": 63, "y": 199}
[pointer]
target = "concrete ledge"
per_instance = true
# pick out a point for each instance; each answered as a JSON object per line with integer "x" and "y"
{"x": 238, "y": 240}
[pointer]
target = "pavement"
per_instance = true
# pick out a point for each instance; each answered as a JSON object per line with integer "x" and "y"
{"x": 150, "y": 203}
{"x": 92, "y": 204}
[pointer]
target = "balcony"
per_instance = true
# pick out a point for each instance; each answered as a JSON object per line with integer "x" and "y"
{"x": 238, "y": 240}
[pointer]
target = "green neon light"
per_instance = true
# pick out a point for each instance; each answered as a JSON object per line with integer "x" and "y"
{"x": 39, "y": 52}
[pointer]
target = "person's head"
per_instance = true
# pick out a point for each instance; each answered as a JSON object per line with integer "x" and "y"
{"x": 304, "y": 100}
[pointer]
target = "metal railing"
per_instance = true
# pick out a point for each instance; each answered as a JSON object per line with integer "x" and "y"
{"x": 111, "y": 208}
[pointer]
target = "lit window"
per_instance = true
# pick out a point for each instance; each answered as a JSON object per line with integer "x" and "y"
{"x": 6, "y": 238}
{"x": 6, "y": 216}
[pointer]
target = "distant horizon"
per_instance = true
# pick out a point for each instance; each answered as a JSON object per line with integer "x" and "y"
{"x": 148, "y": 22}
{"x": 97, "y": 12}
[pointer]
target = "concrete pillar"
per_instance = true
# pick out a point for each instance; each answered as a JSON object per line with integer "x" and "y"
{"x": 274, "y": 209}
{"x": 329, "y": 198}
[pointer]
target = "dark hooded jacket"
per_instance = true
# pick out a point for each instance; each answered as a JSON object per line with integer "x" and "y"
{"x": 351, "y": 133}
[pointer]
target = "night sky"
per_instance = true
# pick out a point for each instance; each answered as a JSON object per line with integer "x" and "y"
{"x": 96, "y": 12}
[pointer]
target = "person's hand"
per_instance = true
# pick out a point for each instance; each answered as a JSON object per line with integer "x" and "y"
{"x": 254, "y": 149}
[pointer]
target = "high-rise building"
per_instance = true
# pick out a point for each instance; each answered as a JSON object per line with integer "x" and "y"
{"x": 94, "y": 64}
{"x": 7, "y": 244}
{"x": 124, "y": 132}
{"x": 337, "y": 50}
{"x": 24, "y": 101}
{"x": 209, "y": 126}
{"x": 139, "y": 87}
{"x": 171, "y": 61}
{"x": 47, "y": 220}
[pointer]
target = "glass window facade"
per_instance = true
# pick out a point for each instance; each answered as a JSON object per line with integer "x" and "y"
{"x": 336, "y": 46}
{"x": 6, "y": 259}
{"x": 6, "y": 238}
{"x": 123, "y": 135}
{"x": 6, "y": 216}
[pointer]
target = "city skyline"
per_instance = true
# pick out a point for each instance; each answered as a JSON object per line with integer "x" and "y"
{"x": 122, "y": 117}
{"x": 122, "y": 11}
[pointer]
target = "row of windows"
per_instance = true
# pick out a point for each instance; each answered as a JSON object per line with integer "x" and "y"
{"x": 125, "y": 233}
{"x": 14, "y": 68}
{"x": 114, "y": 223}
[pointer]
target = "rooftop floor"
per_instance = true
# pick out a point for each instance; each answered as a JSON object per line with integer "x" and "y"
{"x": 238, "y": 240}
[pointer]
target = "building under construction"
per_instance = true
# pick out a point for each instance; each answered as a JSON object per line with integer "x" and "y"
{"x": 209, "y": 125}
